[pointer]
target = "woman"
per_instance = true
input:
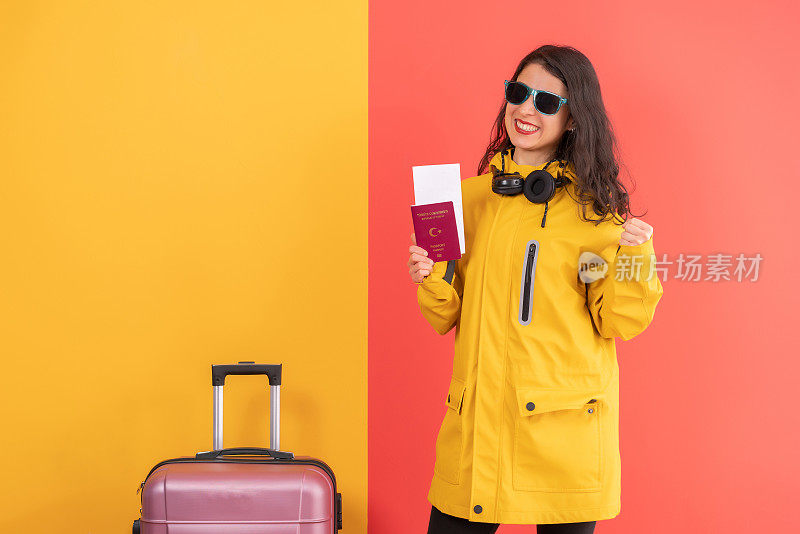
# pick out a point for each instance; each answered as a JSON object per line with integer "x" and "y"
{"x": 553, "y": 272}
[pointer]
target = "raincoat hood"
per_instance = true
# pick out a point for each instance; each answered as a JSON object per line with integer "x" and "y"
{"x": 559, "y": 169}
{"x": 530, "y": 427}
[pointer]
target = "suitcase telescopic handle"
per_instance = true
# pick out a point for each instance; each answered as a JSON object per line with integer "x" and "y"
{"x": 273, "y": 372}
{"x": 219, "y": 372}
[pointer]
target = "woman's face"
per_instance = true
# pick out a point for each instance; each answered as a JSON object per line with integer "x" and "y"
{"x": 538, "y": 147}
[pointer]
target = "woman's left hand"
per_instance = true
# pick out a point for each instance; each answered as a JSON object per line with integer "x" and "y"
{"x": 636, "y": 232}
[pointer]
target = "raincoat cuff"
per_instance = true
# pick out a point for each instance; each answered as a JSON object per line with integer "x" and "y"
{"x": 645, "y": 249}
{"x": 438, "y": 299}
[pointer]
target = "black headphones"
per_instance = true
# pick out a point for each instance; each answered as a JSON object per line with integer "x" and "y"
{"x": 538, "y": 187}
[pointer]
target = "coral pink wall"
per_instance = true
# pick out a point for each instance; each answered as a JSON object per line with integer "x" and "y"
{"x": 703, "y": 100}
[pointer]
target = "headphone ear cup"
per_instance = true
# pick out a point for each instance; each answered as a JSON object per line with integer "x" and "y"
{"x": 507, "y": 184}
{"x": 539, "y": 187}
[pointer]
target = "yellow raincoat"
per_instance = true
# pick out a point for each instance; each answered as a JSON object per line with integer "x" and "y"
{"x": 530, "y": 430}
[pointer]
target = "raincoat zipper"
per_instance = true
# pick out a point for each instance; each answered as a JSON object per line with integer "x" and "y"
{"x": 526, "y": 285}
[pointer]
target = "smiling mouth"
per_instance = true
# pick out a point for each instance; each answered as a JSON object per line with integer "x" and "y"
{"x": 525, "y": 128}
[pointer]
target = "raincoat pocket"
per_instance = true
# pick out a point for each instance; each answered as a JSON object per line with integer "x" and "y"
{"x": 557, "y": 441}
{"x": 449, "y": 441}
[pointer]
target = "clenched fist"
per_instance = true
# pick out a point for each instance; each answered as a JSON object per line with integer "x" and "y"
{"x": 419, "y": 264}
{"x": 636, "y": 232}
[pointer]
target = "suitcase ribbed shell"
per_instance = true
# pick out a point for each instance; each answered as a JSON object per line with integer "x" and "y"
{"x": 239, "y": 498}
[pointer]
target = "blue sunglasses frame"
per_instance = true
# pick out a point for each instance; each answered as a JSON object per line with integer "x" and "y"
{"x": 534, "y": 92}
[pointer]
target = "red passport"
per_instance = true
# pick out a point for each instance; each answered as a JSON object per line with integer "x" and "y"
{"x": 435, "y": 230}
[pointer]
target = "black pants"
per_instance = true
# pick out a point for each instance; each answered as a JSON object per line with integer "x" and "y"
{"x": 441, "y": 523}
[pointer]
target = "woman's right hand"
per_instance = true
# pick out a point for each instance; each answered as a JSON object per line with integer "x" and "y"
{"x": 419, "y": 264}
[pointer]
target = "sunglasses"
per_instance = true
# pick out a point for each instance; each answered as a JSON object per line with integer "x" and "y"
{"x": 545, "y": 102}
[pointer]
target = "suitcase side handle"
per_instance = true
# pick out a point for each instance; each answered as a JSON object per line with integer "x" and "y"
{"x": 254, "y": 451}
{"x": 219, "y": 372}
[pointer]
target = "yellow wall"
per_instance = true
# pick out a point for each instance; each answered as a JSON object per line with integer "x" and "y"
{"x": 181, "y": 184}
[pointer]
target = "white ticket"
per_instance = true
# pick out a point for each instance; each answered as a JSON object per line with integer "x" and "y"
{"x": 440, "y": 183}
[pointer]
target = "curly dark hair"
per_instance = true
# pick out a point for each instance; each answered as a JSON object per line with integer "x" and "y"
{"x": 592, "y": 147}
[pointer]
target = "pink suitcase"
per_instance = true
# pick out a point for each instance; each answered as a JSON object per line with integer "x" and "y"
{"x": 241, "y": 490}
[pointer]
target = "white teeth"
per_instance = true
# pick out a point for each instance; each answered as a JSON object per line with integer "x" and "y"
{"x": 526, "y": 127}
